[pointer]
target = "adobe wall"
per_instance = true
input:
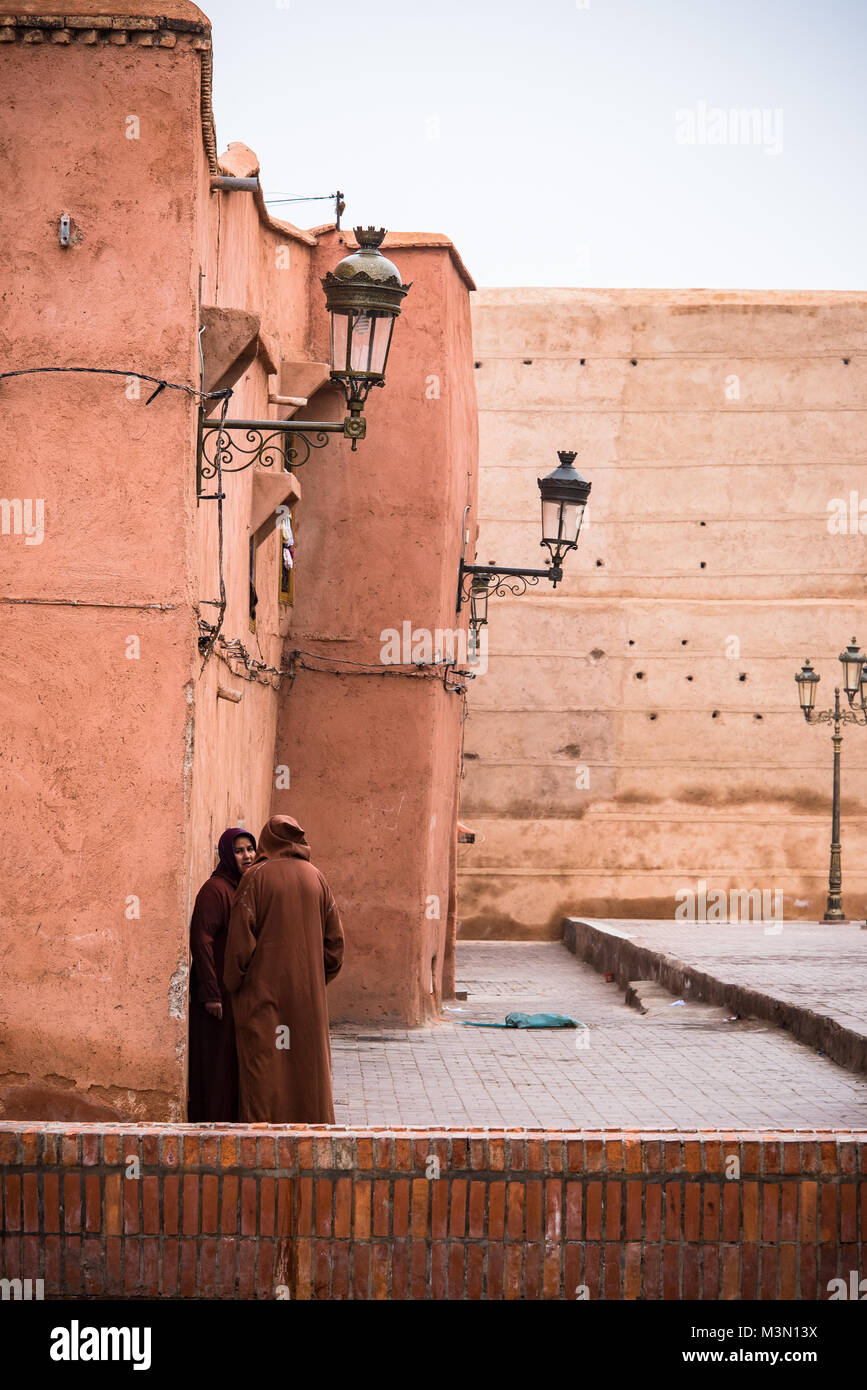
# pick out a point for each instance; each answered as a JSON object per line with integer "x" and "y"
{"x": 254, "y": 264}
{"x": 638, "y": 729}
{"x": 374, "y": 754}
{"x": 122, "y": 761}
{"x": 98, "y": 672}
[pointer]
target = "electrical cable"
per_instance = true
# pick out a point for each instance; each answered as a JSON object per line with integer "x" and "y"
{"x": 160, "y": 382}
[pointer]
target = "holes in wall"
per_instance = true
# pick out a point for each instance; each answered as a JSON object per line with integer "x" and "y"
{"x": 599, "y": 563}
{"x": 742, "y": 676}
{"x": 477, "y": 365}
{"x": 845, "y": 361}
{"x": 528, "y": 361}
{"x": 581, "y": 361}
{"x": 634, "y": 361}
{"x": 702, "y": 523}
{"x": 689, "y": 678}
{"x": 639, "y": 675}
{"x": 632, "y": 642}
{"x": 651, "y": 716}
{"x": 702, "y": 565}
{"x": 683, "y": 641}
{"x": 715, "y": 714}
{"x": 758, "y": 716}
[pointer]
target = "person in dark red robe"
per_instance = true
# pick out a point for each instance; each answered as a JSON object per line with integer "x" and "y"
{"x": 285, "y": 943}
{"x": 213, "y": 1057}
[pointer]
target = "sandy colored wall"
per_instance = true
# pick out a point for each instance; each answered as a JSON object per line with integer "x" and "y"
{"x": 374, "y": 758}
{"x": 716, "y": 427}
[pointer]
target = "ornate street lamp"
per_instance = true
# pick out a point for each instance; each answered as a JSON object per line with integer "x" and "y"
{"x": 854, "y": 683}
{"x": 363, "y": 295}
{"x": 564, "y": 495}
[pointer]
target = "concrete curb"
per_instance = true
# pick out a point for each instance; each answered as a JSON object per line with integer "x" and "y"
{"x": 617, "y": 953}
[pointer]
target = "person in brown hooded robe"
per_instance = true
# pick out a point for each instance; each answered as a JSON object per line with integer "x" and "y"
{"x": 285, "y": 943}
{"x": 213, "y": 1061}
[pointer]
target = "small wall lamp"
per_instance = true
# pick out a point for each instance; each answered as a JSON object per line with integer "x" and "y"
{"x": 564, "y": 495}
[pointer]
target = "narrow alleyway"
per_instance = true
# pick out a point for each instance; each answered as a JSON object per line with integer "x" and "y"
{"x": 638, "y": 1070}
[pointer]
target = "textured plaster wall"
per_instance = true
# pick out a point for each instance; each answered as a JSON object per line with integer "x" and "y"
{"x": 716, "y": 427}
{"x": 121, "y": 765}
{"x": 374, "y": 759}
{"x": 94, "y": 786}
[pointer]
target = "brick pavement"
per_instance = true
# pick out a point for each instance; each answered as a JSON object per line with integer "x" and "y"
{"x": 637, "y": 1071}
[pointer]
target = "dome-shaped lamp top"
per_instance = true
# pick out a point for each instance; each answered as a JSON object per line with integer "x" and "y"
{"x": 365, "y": 279}
{"x": 368, "y": 259}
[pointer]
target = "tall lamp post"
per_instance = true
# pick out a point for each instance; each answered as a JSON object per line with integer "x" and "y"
{"x": 855, "y": 684}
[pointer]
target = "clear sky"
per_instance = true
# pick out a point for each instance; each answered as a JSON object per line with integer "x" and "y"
{"x": 618, "y": 143}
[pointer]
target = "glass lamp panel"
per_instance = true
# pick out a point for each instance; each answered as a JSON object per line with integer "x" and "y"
{"x": 362, "y": 341}
{"x": 551, "y": 521}
{"x": 382, "y": 327}
{"x": 573, "y": 513}
{"x": 339, "y": 341}
{"x": 561, "y": 522}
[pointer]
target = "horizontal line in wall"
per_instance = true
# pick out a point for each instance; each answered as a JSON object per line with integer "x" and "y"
{"x": 625, "y": 765}
{"x": 631, "y": 659}
{"x": 755, "y": 461}
{"x": 669, "y": 818}
{"x": 686, "y": 356}
{"x": 645, "y": 711}
{"x": 717, "y": 576}
{"x": 735, "y": 409}
{"x": 705, "y": 654}
{"x": 604, "y": 601}
{"x": 707, "y": 520}
{"x": 621, "y": 872}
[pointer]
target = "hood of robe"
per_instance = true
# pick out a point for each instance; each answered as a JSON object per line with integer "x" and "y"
{"x": 282, "y": 838}
{"x": 228, "y": 865}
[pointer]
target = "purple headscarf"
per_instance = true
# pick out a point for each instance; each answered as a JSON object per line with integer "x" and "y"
{"x": 228, "y": 865}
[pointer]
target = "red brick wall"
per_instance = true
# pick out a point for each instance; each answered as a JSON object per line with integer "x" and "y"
{"x": 335, "y": 1214}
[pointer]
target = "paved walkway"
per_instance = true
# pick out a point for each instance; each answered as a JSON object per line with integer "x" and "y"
{"x": 638, "y": 1070}
{"x": 810, "y": 977}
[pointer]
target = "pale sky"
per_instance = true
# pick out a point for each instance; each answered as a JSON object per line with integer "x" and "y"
{"x": 612, "y": 143}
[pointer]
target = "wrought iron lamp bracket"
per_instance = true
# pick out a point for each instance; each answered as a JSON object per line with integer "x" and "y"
{"x": 830, "y": 716}
{"x": 285, "y": 443}
{"x": 501, "y": 580}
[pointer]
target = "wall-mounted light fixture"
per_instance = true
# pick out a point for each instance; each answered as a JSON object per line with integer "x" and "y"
{"x": 363, "y": 295}
{"x": 564, "y": 495}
